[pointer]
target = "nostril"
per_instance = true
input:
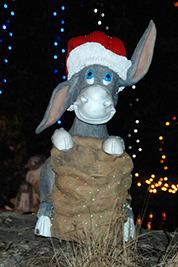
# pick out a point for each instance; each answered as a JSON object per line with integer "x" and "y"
{"x": 84, "y": 99}
{"x": 107, "y": 103}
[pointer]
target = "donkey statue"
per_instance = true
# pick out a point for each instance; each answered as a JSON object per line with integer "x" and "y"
{"x": 84, "y": 184}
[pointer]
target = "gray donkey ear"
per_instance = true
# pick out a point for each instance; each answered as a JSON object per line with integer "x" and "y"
{"x": 142, "y": 56}
{"x": 59, "y": 102}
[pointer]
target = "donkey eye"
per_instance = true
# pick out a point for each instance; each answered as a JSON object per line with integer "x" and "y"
{"x": 90, "y": 77}
{"x": 107, "y": 78}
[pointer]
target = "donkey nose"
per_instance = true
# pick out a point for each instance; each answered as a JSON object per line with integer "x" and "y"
{"x": 107, "y": 103}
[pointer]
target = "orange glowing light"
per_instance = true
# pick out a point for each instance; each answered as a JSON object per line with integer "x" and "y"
{"x": 173, "y": 186}
{"x": 165, "y": 178}
{"x": 176, "y": 4}
{"x": 147, "y": 182}
{"x": 163, "y": 188}
{"x": 151, "y": 179}
{"x": 160, "y": 137}
{"x": 152, "y": 176}
{"x": 174, "y": 118}
{"x": 149, "y": 225}
{"x": 139, "y": 221}
{"x": 151, "y": 190}
{"x": 165, "y": 167}
{"x": 161, "y": 161}
{"x": 152, "y": 186}
{"x": 154, "y": 190}
{"x": 161, "y": 179}
{"x": 139, "y": 184}
{"x": 164, "y": 215}
{"x": 166, "y": 185}
{"x": 167, "y": 123}
{"x": 163, "y": 156}
{"x": 136, "y": 174}
{"x": 151, "y": 215}
{"x": 160, "y": 149}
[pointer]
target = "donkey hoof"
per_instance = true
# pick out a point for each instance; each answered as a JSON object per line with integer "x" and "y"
{"x": 114, "y": 145}
{"x": 62, "y": 140}
{"x": 43, "y": 226}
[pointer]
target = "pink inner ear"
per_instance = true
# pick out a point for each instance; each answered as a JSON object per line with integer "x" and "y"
{"x": 57, "y": 106}
{"x": 146, "y": 55}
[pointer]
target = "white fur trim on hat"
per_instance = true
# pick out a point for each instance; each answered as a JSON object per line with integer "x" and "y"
{"x": 94, "y": 53}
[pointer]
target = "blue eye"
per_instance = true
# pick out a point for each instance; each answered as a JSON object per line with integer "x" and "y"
{"x": 90, "y": 77}
{"x": 107, "y": 78}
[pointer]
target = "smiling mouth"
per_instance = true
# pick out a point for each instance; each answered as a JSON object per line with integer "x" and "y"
{"x": 102, "y": 120}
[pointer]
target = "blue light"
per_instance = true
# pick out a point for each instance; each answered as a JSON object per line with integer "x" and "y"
{"x": 62, "y": 7}
{"x": 5, "y": 5}
{"x": 55, "y": 71}
{"x": 0, "y": 92}
{"x": 55, "y": 43}
{"x": 63, "y": 64}
{"x": 4, "y": 80}
{"x": 59, "y": 122}
{"x": 55, "y": 56}
{"x": 10, "y": 34}
{"x": 54, "y": 13}
{"x": 12, "y": 13}
{"x": 63, "y": 50}
{"x": 58, "y": 38}
{"x": 5, "y": 60}
{"x": 62, "y": 29}
{"x": 4, "y": 27}
{"x": 62, "y": 21}
{"x": 63, "y": 77}
{"x": 9, "y": 47}
{"x": 0, "y": 40}
{"x": 8, "y": 21}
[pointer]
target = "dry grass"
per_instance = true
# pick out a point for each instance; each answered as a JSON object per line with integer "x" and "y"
{"x": 112, "y": 251}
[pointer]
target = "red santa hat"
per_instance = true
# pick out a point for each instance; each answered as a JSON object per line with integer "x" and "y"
{"x": 97, "y": 48}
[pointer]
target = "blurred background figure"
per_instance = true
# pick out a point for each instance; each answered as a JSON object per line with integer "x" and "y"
{"x": 28, "y": 196}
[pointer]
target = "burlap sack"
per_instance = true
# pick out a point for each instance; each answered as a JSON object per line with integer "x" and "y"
{"x": 90, "y": 191}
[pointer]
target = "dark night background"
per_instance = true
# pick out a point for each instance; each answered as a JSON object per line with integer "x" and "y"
{"x": 31, "y": 79}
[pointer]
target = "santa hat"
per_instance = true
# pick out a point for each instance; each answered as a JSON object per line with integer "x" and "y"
{"x": 97, "y": 48}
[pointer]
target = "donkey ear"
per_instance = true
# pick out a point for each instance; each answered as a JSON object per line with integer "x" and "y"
{"x": 142, "y": 56}
{"x": 57, "y": 105}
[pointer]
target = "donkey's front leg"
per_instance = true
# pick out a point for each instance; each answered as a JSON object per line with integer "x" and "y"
{"x": 62, "y": 140}
{"x": 114, "y": 145}
{"x": 47, "y": 177}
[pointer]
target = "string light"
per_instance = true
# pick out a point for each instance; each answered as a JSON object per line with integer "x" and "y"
{"x": 59, "y": 49}
{"x": 162, "y": 184}
{"x": 6, "y": 17}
